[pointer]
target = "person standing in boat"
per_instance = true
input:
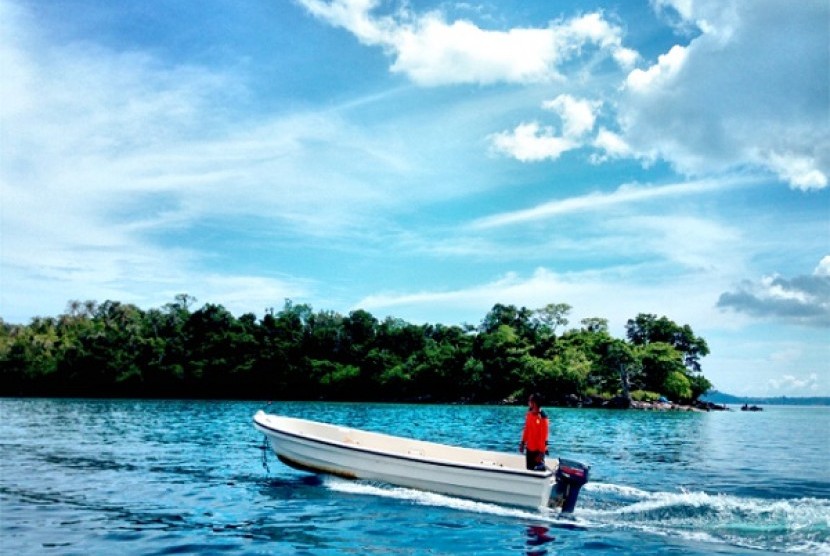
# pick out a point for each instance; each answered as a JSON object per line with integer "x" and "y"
{"x": 534, "y": 442}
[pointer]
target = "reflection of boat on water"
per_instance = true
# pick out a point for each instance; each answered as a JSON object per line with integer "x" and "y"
{"x": 747, "y": 407}
{"x": 465, "y": 472}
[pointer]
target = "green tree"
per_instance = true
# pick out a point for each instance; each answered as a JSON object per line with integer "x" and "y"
{"x": 574, "y": 368}
{"x": 645, "y": 329}
{"x": 500, "y": 352}
{"x": 619, "y": 360}
{"x": 699, "y": 385}
{"x": 287, "y": 348}
{"x": 520, "y": 320}
{"x": 115, "y": 348}
{"x": 360, "y": 331}
{"x": 659, "y": 360}
{"x": 677, "y": 387}
{"x": 595, "y": 325}
{"x": 337, "y": 381}
{"x": 101, "y": 354}
{"x": 552, "y": 316}
{"x": 222, "y": 350}
{"x": 325, "y": 337}
{"x": 360, "y": 334}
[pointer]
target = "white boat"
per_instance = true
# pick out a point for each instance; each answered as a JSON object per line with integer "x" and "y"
{"x": 465, "y": 472}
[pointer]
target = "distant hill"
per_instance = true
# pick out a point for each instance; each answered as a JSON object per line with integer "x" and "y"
{"x": 723, "y": 398}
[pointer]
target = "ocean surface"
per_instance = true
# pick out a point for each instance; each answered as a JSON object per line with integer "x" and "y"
{"x": 191, "y": 477}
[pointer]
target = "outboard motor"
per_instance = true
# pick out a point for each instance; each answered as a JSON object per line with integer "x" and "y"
{"x": 570, "y": 476}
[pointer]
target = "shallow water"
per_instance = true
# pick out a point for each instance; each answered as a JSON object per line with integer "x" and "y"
{"x": 187, "y": 477}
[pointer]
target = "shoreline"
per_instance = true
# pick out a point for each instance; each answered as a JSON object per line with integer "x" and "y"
{"x": 613, "y": 404}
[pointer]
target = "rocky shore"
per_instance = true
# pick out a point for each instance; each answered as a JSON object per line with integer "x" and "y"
{"x": 620, "y": 402}
{"x": 663, "y": 406}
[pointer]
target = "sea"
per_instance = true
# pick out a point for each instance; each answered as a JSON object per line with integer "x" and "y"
{"x": 86, "y": 477}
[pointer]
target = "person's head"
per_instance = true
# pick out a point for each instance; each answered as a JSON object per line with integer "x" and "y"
{"x": 534, "y": 402}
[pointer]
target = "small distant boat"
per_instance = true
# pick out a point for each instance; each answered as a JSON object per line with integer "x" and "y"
{"x": 465, "y": 472}
{"x": 746, "y": 407}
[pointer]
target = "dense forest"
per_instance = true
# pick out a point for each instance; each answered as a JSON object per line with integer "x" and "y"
{"x": 117, "y": 349}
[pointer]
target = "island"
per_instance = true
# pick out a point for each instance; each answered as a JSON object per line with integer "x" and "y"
{"x": 115, "y": 349}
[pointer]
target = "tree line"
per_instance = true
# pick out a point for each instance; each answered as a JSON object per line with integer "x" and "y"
{"x": 119, "y": 350}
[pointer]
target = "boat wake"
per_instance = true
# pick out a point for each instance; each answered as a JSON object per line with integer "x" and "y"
{"x": 434, "y": 499}
{"x": 800, "y": 525}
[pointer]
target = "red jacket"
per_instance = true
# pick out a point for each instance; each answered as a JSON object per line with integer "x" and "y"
{"x": 535, "y": 434}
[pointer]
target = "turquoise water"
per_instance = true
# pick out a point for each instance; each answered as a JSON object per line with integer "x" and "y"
{"x": 189, "y": 477}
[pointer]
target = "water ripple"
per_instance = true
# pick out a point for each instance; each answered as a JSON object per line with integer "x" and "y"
{"x": 187, "y": 477}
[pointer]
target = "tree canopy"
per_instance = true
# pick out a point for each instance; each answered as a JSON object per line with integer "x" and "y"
{"x": 117, "y": 349}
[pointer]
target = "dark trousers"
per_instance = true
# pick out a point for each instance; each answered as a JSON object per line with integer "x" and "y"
{"x": 535, "y": 460}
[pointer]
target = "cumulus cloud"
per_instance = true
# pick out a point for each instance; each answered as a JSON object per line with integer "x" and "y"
{"x": 803, "y": 300}
{"x": 800, "y": 171}
{"x": 610, "y": 145}
{"x": 734, "y": 96}
{"x": 578, "y": 115}
{"x": 730, "y": 98}
{"x": 660, "y": 74}
{"x": 431, "y": 51}
{"x": 530, "y": 142}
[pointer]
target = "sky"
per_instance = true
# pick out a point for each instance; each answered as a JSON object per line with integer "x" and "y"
{"x": 426, "y": 160}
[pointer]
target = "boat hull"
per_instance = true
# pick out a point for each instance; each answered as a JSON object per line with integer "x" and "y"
{"x": 355, "y": 454}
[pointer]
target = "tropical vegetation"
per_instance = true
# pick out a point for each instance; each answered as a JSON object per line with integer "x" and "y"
{"x": 118, "y": 349}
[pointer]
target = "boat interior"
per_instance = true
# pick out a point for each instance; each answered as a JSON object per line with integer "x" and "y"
{"x": 418, "y": 449}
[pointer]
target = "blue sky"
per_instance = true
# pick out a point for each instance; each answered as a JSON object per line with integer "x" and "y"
{"x": 426, "y": 160}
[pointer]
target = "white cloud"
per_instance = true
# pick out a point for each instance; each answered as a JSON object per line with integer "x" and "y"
{"x": 578, "y": 115}
{"x": 683, "y": 7}
{"x": 799, "y": 171}
{"x": 594, "y": 202}
{"x": 531, "y": 143}
{"x": 803, "y": 300}
{"x": 729, "y": 99}
{"x": 660, "y": 74}
{"x": 768, "y": 362}
{"x": 586, "y": 291}
{"x": 115, "y": 153}
{"x": 250, "y": 294}
{"x": 437, "y": 53}
{"x": 431, "y": 51}
{"x": 354, "y": 15}
{"x": 689, "y": 242}
{"x": 787, "y": 384}
{"x": 626, "y": 57}
{"x": 733, "y": 97}
{"x": 611, "y": 145}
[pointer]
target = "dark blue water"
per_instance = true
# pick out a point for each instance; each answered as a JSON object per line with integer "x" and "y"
{"x": 187, "y": 477}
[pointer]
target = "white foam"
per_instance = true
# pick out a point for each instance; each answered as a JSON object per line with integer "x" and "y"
{"x": 434, "y": 499}
{"x": 716, "y": 518}
{"x": 658, "y": 513}
{"x": 422, "y": 497}
{"x": 812, "y": 509}
{"x": 619, "y": 490}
